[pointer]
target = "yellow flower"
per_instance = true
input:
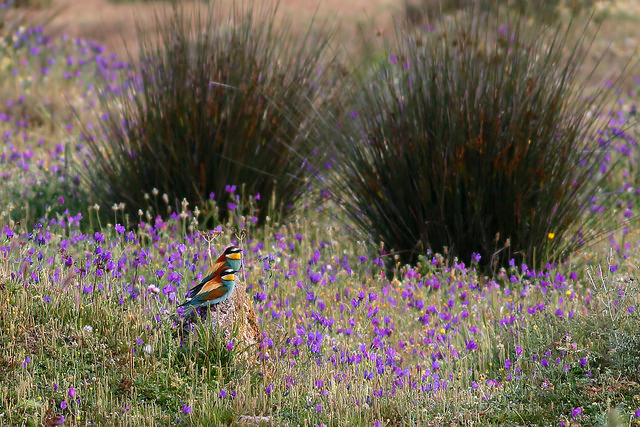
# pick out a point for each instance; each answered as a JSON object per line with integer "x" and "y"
{"x": 551, "y": 235}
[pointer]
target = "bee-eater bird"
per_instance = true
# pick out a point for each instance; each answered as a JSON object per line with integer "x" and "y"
{"x": 213, "y": 291}
{"x": 231, "y": 257}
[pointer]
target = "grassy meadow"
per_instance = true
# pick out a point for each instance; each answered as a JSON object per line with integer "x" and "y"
{"x": 354, "y": 331}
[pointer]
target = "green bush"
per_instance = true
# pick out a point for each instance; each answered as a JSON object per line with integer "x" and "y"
{"x": 472, "y": 137}
{"x": 222, "y": 99}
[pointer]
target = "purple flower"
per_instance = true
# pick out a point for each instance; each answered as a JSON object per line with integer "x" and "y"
{"x": 174, "y": 277}
{"x": 120, "y": 229}
{"x": 60, "y": 420}
{"x": 230, "y": 346}
{"x": 7, "y": 232}
{"x": 186, "y": 409}
{"x": 576, "y": 412}
{"x": 637, "y": 413}
{"x": 63, "y": 405}
{"x": 315, "y": 258}
{"x": 72, "y": 392}
{"x": 26, "y": 362}
{"x": 268, "y": 389}
{"x": 222, "y": 394}
{"x": 471, "y": 345}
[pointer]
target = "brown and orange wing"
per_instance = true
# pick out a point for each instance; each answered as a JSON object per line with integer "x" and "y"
{"x": 211, "y": 281}
{"x": 214, "y": 283}
{"x": 214, "y": 293}
{"x": 220, "y": 262}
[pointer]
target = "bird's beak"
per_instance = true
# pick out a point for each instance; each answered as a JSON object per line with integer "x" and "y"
{"x": 229, "y": 277}
{"x": 235, "y": 255}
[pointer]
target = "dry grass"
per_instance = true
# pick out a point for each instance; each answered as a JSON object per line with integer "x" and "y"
{"x": 114, "y": 24}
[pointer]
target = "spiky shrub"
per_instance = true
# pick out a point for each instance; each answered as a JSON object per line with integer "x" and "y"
{"x": 473, "y": 137}
{"x": 222, "y": 99}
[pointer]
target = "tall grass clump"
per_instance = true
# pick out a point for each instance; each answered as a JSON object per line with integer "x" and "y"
{"x": 474, "y": 137}
{"x": 223, "y": 98}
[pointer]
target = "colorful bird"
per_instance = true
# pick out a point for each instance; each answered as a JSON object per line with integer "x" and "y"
{"x": 212, "y": 291}
{"x": 231, "y": 257}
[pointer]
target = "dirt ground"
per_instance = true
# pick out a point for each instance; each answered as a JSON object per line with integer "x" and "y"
{"x": 113, "y": 24}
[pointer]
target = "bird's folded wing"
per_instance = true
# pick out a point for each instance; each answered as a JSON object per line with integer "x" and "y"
{"x": 216, "y": 265}
{"x": 198, "y": 288}
{"x": 210, "y": 285}
{"x": 214, "y": 293}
